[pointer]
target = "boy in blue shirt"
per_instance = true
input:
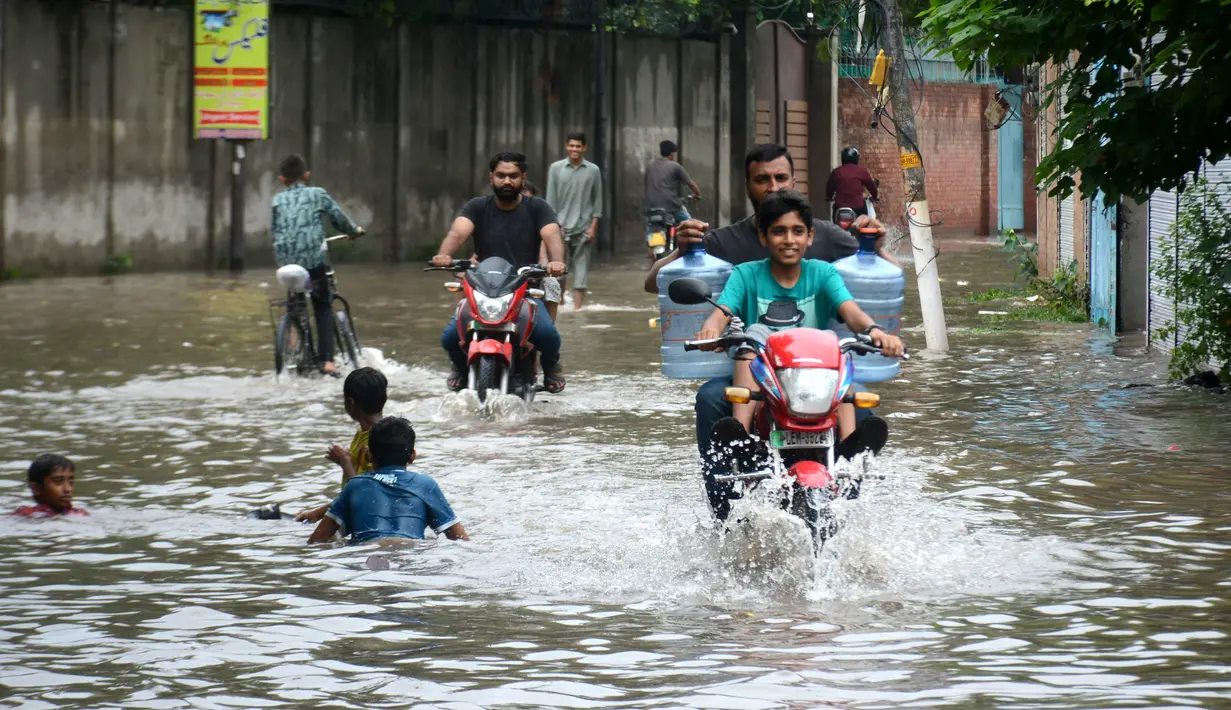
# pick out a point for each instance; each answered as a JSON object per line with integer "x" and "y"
{"x": 786, "y": 290}
{"x": 298, "y": 227}
{"x": 389, "y": 502}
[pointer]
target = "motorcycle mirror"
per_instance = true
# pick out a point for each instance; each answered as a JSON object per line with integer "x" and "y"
{"x": 689, "y": 292}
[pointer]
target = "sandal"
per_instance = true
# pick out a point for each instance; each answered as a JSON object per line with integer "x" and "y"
{"x": 456, "y": 381}
{"x": 553, "y": 381}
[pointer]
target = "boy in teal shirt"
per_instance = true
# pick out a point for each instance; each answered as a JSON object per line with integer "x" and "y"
{"x": 788, "y": 291}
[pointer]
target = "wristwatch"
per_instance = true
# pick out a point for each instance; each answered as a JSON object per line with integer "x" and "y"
{"x": 869, "y": 329}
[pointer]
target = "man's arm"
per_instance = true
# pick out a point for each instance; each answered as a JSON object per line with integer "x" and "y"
{"x": 325, "y": 531}
{"x": 550, "y": 193}
{"x": 459, "y": 232}
{"x": 869, "y": 183}
{"x": 343, "y": 223}
{"x": 687, "y": 233}
{"x": 457, "y": 532}
{"x": 550, "y": 234}
{"x": 831, "y": 186}
{"x": 596, "y": 204}
{"x": 696, "y": 191}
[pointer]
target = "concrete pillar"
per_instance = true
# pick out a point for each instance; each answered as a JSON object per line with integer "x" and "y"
{"x": 1133, "y": 281}
{"x": 743, "y": 106}
{"x": 821, "y": 91}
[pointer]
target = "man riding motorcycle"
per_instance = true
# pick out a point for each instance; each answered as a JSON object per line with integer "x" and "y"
{"x": 511, "y": 226}
{"x": 768, "y": 168}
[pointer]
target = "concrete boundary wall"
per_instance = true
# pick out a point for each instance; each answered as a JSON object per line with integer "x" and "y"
{"x": 97, "y": 157}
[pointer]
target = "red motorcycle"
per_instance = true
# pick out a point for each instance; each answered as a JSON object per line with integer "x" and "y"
{"x": 494, "y": 321}
{"x": 804, "y": 375}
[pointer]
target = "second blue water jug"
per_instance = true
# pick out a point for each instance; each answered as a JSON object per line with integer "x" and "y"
{"x": 879, "y": 288}
{"x": 680, "y": 323}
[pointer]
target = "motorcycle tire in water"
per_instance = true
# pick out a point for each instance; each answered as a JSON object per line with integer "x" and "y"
{"x": 488, "y": 376}
{"x": 812, "y": 506}
{"x": 293, "y": 347}
{"x": 348, "y": 340}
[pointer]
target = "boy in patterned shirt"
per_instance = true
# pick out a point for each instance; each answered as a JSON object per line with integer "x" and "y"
{"x": 51, "y": 478}
{"x": 363, "y": 396}
{"x": 298, "y": 227}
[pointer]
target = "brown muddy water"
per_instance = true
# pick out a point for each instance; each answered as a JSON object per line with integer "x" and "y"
{"x": 1031, "y": 540}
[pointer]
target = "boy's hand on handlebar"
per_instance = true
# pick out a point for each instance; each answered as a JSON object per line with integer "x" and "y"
{"x": 690, "y": 231}
{"x": 890, "y": 345}
{"x": 555, "y": 268}
{"x": 709, "y": 334}
{"x": 442, "y": 260}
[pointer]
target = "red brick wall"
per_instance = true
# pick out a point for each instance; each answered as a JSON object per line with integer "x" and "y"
{"x": 959, "y": 155}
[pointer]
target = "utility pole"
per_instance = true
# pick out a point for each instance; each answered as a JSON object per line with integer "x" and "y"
{"x": 917, "y": 214}
{"x": 236, "y": 251}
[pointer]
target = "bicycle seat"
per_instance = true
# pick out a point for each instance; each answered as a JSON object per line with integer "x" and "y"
{"x": 295, "y": 278}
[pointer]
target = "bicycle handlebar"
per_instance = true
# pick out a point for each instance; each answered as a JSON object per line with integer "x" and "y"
{"x": 860, "y": 344}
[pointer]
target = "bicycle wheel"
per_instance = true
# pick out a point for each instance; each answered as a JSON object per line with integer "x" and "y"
{"x": 293, "y": 347}
{"x": 348, "y": 340}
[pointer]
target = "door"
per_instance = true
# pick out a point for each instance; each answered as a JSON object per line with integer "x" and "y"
{"x": 1103, "y": 263}
{"x": 1009, "y": 185}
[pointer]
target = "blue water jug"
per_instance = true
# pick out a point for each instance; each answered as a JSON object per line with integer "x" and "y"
{"x": 679, "y": 322}
{"x": 879, "y": 288}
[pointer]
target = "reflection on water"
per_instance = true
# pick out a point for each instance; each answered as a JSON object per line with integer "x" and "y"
{"x": 1029, "y": 539}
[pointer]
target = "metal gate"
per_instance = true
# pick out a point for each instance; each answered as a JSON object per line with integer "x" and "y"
{"x": 1164, "y": 206}
{"x": 1067, "y": 251}
{"x": 1103, "y": 256}
{"x": 1011, "y": 213}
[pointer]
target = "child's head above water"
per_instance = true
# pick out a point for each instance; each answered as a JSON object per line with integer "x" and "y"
{"x": 293, "y": 169}
{"x": 392, "y": 442}
{"x": 784, "y": 222}
{"x": 365, "y": 393}
{"x": 51, "y": 478}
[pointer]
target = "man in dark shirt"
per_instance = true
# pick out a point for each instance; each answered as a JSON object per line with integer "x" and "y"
{"x": 768, "y": 168}
{"x": 511, "y": 226}
{"x": 848, "y": 181}
{"x": 664, "y": 177}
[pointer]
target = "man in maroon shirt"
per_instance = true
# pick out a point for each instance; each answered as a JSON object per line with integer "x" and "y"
{"x": 847, "y": 182}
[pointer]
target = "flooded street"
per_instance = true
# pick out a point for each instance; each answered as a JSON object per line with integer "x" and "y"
{"x": 1044, "y": 535}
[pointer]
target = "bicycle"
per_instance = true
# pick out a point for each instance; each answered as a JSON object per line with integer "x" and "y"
{"x": 294, "y": 341}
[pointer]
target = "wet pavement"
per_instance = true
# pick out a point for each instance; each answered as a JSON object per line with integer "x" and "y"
{"x": 1032, "y": 538}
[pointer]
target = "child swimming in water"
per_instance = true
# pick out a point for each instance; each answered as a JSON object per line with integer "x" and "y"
{"x": 363, "y": 396}
{"x": 51, "y": 478}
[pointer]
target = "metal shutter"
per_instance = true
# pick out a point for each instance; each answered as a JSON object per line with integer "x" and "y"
{"x": 1066, "y": 232}
{"x": 1162, "y": 211}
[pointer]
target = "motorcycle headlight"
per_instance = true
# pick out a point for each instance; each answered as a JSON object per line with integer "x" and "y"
{"x": 492, "y": 310}
{"x": 809, "y": 391}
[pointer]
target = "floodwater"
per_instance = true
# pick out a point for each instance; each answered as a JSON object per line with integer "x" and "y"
{"x": 1040, "y": 533}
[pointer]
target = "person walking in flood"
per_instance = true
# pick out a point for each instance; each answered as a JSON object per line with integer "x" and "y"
{"x": 575, "y": 192}
{"x": 51, "y": 478}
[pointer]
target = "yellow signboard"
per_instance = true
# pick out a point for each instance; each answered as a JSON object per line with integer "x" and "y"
{"x": 909, "y": 160}
{"x": 230, "y": 93}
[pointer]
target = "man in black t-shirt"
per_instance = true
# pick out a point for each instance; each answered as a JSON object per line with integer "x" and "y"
{"x": 510, "y": 226}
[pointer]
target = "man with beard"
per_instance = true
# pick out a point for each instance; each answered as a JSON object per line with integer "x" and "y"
{"x": 511, "y": 226}
{"x": 768, "y": 168}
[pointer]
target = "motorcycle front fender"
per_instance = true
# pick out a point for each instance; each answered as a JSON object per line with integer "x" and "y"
{"x": 490, "y": 346}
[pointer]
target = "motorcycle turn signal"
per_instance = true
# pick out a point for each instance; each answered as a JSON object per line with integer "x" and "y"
{"x": 742, "y": 395}
{"x": 863, "y": 400}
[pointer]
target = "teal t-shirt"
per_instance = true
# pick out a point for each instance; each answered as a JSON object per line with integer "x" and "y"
{"x": 818, "y": 293}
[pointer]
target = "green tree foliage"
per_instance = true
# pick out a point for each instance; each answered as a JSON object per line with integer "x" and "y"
{"x": 1126, "y": 138}
{"x": 1199, "y": 282}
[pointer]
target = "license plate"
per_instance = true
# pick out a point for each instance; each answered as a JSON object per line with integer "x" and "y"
{"x": 801, "y": 439}
{"x": 658, "y": 239}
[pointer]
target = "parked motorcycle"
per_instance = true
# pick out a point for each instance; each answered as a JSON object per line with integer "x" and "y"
{"x": 804, "y": 375}
{"x": 495, "y": 318}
